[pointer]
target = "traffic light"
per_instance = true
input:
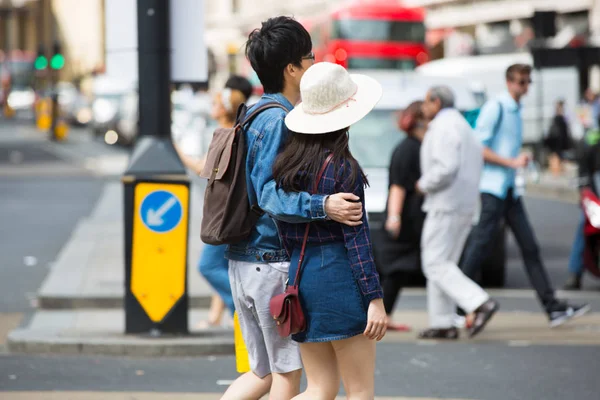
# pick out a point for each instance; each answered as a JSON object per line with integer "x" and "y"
{"x": 58, "y": 59}
{"x": 41, "y": 62}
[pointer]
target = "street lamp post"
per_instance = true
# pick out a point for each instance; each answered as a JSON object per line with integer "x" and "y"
{"x": 156, "y": 192}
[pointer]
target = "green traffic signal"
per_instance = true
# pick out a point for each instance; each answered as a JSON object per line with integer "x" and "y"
{"x": 41, "y": 62}
{"x": 57, "y": 61}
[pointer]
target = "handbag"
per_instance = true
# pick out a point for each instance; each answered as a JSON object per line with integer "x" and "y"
{"x": 285, "y": 307}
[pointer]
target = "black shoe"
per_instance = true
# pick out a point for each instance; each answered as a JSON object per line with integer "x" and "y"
{"x": 483, "y": 314}
{"x": 563, "y": 312}
{"x": 573, "y": 283}
{"x": 439, "y": 334}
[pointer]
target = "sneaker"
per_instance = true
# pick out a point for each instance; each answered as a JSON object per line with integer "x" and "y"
{"x": 564, "y": 312}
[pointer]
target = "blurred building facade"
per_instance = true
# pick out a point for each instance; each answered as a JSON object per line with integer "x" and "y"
{"x": 455, "y": 27}
{"x": 463, "y": 27}
{"x": 229, "y": 22}
{"x": 27, "y": 25}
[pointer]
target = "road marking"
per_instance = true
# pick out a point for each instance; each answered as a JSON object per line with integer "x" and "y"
{"x": 519, "y": 343}
{"x": 225, "y": 382}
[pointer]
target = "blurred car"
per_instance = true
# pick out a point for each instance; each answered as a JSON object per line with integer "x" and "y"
{"x": 109, "y": 97}
{"x": 75, "y": 106}
{"x": 374, "y": 138}
{"x": 22, "y": 100}
{"x": 128, "y": 118}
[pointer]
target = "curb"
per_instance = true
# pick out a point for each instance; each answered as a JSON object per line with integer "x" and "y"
{"x": 25, "y": 341}
{"x": 58, "y": 302}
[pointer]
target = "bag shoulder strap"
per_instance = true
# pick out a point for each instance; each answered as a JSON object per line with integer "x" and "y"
{"x": 499, "y": 120}
{"x": 246, "y": 119}
{"x": 305, "y": 240}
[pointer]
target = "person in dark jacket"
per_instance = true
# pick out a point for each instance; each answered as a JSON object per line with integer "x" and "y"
{"x": 589, "y": 165}
{"x": 399, "y": 250}
{"x": 558, "y": 140}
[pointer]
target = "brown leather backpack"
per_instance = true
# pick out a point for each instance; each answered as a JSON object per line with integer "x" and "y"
{"x": 228, "y": 216}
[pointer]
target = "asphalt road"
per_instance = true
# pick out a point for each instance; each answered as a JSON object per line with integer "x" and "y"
{"x": 42, "y": 196}
{"x": 485, "y": 372}
{"x": 44, "y": 192}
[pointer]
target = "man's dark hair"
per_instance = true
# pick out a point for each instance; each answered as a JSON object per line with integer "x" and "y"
{"x": 279, "y": 42}
{"x": 237, "y": 82}
{"x": 521, "y": 69}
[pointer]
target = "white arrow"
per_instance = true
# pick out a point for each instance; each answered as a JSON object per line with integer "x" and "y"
{"x": 154, "y": 217}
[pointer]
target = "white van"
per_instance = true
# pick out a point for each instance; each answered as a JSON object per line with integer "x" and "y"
{"x": 489, "y": 70}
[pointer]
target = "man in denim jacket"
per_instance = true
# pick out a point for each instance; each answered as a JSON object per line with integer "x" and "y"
{"x": 280, "y": 53}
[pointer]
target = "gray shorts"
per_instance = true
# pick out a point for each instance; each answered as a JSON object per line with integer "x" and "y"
{"x": 252, "y": 286}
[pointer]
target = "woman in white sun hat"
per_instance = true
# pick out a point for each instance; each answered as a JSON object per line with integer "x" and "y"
{"x": 339, "y": 286}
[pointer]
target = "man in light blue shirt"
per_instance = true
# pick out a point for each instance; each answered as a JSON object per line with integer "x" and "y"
{"x": 499, "y": 128}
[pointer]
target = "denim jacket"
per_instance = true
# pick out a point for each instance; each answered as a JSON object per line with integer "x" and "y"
{"x": 265, "y": 137}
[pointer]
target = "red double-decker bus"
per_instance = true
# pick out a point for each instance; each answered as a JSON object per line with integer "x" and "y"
{"x": 376, "y": 34}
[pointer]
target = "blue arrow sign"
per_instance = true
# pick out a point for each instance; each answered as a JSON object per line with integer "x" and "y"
{"x": 161, "y": 211}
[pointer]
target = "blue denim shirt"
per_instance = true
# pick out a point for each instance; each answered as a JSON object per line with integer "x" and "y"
{"x": 505, "y": 138}
{"x": 265, "y": 137}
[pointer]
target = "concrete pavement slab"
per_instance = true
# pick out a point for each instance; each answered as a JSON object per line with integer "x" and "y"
{"x": 512, "y": 328}
{"x": 8, "y": 322}
{"x": 101, "y": 332}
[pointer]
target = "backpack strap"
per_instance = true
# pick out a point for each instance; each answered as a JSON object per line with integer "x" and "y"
{"x": 242, "y": 120}
{"x": 246, "y": 119}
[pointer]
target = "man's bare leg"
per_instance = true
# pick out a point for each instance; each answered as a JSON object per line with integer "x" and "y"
{"x": 285, "y": 386}
{"x": 249, "y": 387}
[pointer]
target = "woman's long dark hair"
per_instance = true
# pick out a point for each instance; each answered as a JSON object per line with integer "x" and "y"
{"x": 303, "y": 156}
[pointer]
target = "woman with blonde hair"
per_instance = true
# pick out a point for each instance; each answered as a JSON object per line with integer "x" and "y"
{"x": 213, "y": 265}
{"x": 399, "y": 251}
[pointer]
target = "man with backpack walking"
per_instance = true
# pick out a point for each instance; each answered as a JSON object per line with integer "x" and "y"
{"x": 242, "y": 199}
{"x": 499, "y": 128}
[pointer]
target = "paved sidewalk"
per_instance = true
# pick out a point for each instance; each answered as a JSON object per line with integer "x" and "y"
{"x": 560, "y": 188}
{"x": 80, "y": 302}
{"x": 101, "y": 332}
{"x": 89, "y": 271}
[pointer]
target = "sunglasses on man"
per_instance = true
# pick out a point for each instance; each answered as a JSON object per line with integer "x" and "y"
{"x": 523, "y": 82}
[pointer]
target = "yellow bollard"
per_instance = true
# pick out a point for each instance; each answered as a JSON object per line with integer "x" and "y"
{"x": 62, "y": 130}
{"x": 9, "y": 112}
{"x": 242, "y": 361}
{"x": 44, "y": 121}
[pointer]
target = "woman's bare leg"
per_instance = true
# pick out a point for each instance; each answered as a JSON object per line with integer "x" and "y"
{"x": 356, "y": 363}
{"x": 321, "y": 369}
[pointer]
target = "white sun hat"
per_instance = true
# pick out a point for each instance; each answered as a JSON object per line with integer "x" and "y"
{"x": 332, "y": 99}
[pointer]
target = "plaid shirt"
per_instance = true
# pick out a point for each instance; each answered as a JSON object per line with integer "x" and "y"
{"x": 356, "y": 238}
